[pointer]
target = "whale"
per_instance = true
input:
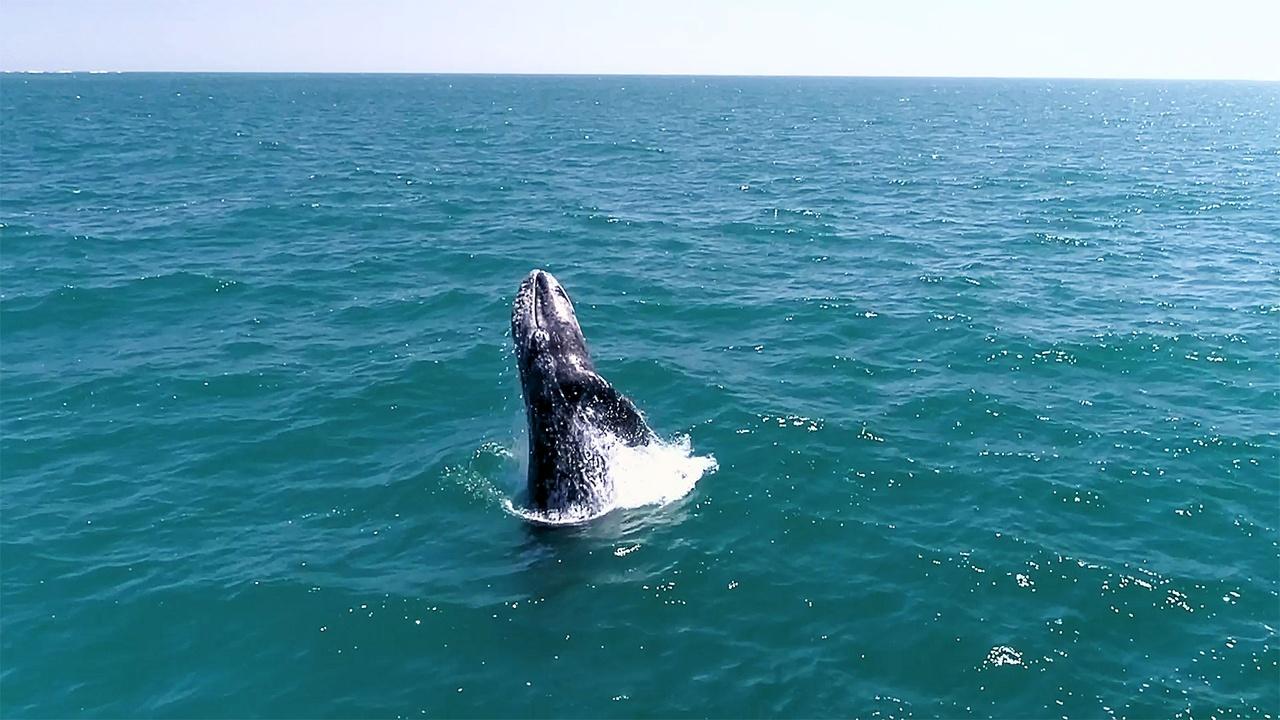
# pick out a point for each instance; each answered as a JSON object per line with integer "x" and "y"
{"x": 576, "y": 418}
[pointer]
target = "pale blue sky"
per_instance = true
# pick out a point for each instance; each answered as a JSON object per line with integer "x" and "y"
{"x": 1068, "y": 38}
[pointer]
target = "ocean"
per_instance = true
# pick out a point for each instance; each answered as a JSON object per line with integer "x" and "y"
{"x": 969, "y": 393}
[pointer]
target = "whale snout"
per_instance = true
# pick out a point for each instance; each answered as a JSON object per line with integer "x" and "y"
{"x": 552, "y": 302}
{"x": 543, "y": 303}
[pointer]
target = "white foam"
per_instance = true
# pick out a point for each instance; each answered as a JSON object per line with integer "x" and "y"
{"x": 655, "y": 474}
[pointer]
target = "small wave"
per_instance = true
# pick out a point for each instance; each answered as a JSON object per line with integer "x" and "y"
{"x": 572, "y": 516}
{"x": 655, "y": 474}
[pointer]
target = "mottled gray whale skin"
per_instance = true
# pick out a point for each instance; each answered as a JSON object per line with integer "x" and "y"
{"x": 573, "y": 413}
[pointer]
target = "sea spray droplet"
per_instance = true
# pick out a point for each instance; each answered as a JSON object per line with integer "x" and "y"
{"x": 1003, "y": 655}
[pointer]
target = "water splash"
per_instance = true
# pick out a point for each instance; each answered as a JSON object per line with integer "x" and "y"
{"x": 658, "y": 473}
{"x": 648, "y": 475}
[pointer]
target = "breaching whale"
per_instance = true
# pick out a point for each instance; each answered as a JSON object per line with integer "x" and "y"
{"x": 575, "y": 416}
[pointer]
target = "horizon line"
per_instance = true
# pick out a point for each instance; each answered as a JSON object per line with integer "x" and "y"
{"x": 448, "y": 73}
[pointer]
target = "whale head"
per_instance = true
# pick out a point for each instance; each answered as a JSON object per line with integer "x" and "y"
{"x": 550, "y": 348}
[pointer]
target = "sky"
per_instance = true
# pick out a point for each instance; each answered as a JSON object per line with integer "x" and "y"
{"x": 1230, "y": 39}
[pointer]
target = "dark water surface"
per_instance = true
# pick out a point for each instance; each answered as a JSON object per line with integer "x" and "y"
{"x": 991, "y": 370}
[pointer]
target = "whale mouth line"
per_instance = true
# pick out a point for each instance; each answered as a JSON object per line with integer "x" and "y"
{"x": 534, "y": 305}
{"x": 536, "y": 308}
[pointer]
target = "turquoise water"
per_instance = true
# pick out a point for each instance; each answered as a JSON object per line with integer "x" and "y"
{"x": 990, "y": 371}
